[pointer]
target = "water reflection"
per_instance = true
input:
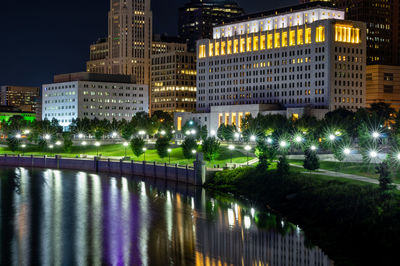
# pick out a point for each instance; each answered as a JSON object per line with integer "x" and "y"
{"x": 50, "y": 217}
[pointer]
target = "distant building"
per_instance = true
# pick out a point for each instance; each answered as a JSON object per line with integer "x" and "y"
{"x": 24, "y": 98}
{"x": 102, "y": 96}
{"x": 383, "y": 85}
{"x": 127, "y": 50}
{"x": 6, "y": 112}
{"x": 383, "y": 28}
{"x": 197, "y": 18}
{"x": 173, "y": 86}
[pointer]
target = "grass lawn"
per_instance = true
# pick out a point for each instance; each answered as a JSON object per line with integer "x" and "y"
{"x": 117, "y": 150}
{"x": 360, "y": 169}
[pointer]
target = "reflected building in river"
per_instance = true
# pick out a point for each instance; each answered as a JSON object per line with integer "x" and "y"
{"x": 50, "y": 217}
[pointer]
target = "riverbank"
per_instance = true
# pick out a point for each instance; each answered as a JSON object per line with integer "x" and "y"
{"x": 354, "y": 223}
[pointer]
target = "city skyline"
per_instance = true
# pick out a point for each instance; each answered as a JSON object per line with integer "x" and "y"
{"x": 54, "y": 43}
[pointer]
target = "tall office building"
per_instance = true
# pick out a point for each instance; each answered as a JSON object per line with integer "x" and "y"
{"x": 173, "y": 86}
{"x": 197, "y": 18}
{"x": 295, "y": 60}
{"x": 382, "y": 19}
{"x": 127, "y": 49}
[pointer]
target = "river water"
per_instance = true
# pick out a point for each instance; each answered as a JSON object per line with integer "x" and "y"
{"x": 51, "y": 217}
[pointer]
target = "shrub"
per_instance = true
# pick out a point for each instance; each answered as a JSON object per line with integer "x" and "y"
{"x": 188, "y": 145}
{"x": 283, "y": 166}
{"x": 162, "y": 145}
{"x": 137, "y": 145}
{"x": 211, "y": 147}
{"x": 311, "y": 161}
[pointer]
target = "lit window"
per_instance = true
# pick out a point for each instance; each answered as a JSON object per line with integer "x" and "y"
{"x": 262, "y": 43}
{"x": 320, "y": 34}
{"x": 255, "y": 43}
{"x": 229, "y": 50}
{"x": 248, "y": 48}
{"x": 284, "y": 39}
{"x": 235, "y": 46}
{"x": 277, "y": 43}
{"x": 300, "y": 37}
{"x": 217, "y": 49}
{"x": 269, "y": 41}
{"x": 308, "y": 36}
{"x": 211, "y": 50}
{"x": 292, "y": 38}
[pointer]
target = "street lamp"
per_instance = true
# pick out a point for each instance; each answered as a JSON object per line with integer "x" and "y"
{"x": 212, "y": 133}
{"x": 51, "y": 147}
{"x": 84, "y": 143}
{"x": 375, "y": 135}
{"x": 58, "y": 143}
{"x": 23, "y": 146}
{"x": 80, "y": 135}
{"x": 193, "y": 132}
{"x": 346, "y": 151}
{"x": 269, "y": 140}
{"x": 313, "y": 147}
{"x": 126, "y": 144}
{"x": 298, "y": 139}
{"x": 283, "y": 144}
{"x": 163, "y": 132}
{"x": 18, "y": 136}
{"x": 194, "y": 152}
{"x": 27, "y": 131}
{"x": 237, "y": 135}
{"x": 187, "y": 132}
{"x": 47, "y": 137}
{"x": 398, "y": 156}
{"x": 231, "y": 148}
{"x": 252, "y": 138}
{"x": 247, "y": 148}
{"x": 114, "y": 134}
{"x": 97, "y": 144}
{"x": 169, "y": 155}
{"x": 144, "y": 153}
{"x": 373, "y": 154}
{"x": 332, "y": 137}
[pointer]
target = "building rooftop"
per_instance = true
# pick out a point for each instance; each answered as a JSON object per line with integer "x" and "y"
{"x": 281, "y": 11}
{"x": 96, "y": 77}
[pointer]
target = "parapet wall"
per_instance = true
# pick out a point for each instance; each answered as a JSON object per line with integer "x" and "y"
{"x": 186, "y": 174}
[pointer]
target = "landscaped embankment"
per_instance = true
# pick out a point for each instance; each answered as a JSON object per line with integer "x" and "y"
{"x": 355, "y": 224}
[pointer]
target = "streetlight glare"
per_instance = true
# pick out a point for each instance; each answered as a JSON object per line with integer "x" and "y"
{"x": 375, "y": 135}
{"x": 142, "y": 132}
{"x": 80, "y": 135}
{"x": 212, "y": 133}
{"x": 194, "y": 151}
{"x": 27, "y": 131}
{"x": 373, "y": 154}
{"x": 58, "y": 143}
{"x": 298, "y": 139}
{"x": 283, "y": 144}
{"x": 269, "y": 140}
{"x": 231, "y": 147}
{"x": 47, "y": 137}
{"x": 126, "y": 144}
{"x": 23, "y": 146}
{"x": 169, "y": 150}
{"x": 237, "y": 135}
{"x": 97, "y": 144}
{"x": 332, "y": 137}
{"x": 252, "y": 138}
{"x": 18, "y": 136}
{"x": 187, "y": 132}
{"x": 51, "y": 146}
{"x": 84, "y": 143}
{"x": 347, "y": 151}
{"x": 144, "y": 149}
{"x": 247, "y": 148}
{"x": 313, "y": 147}
{"x": 114, "y": 134}
{"x": 163, "y": 132}
{"x": 398, "y": 156}
{"x": 193, "y": 132}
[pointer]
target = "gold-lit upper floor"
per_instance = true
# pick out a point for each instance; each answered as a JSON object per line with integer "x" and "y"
{"x": 288, "y": 37}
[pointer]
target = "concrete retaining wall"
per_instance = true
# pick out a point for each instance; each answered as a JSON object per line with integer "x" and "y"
{"x": 176, "y": 173}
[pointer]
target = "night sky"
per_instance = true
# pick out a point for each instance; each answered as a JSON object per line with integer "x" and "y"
{"x": 43, "y": 38}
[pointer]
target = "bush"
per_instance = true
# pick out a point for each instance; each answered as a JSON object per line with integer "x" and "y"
{"x": 67, "y": 136}
{"x": 311, "y": 161}
{"x": 13, "y": 143}
{"x": 137, "y": 145}
{"x": 162, "y": 145}
{"x": 188, "y": 145}
{"x": 211, "y": 147}
{"x": 283, "y": 166}
{"x": 385, "y": 181}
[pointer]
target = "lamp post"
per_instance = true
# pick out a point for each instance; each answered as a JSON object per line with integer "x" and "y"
{"x": 169, "y": 156}
{"x": 126, "y": 144}
{"x": 51, "y": 148}
{"x": 231, "y": 148}
{"x": 247, "y": 148}
{"x": 144, "y": 154}
{"x": 97, "y": 144}
{"x": 23, "y": 146}
{"x": 194, "y": 152}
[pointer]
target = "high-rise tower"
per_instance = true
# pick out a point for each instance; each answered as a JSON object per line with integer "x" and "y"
{"x": 127, "y": 49}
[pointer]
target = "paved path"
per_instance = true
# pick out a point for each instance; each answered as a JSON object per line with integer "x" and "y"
{"x": 343, "y": 175}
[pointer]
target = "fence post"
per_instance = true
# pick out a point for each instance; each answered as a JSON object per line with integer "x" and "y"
{"x": 120, "y": 166}
{"x": 166, "y": 171}
{"x": 108, "y": 165}
{"x": 132, "y": 167}
{"x": 144, "y": 168}
{"x": 154, "y": 169}
{"x": 32, "y": 161}
{"x": 187, "y": 175}
{"x": 176, "y": 172}
{"x": 57, "y": 157}
{"x": 45, "y": 161}
{"x": 199, "y": 170}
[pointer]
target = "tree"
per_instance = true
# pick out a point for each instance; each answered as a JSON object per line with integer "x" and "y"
{"x": 226, "y": 132}
{"x": 211, "y": 147}
{"x": 67, "y": 137}
{"x": 266, "y": 154}
{"x": 311, "y": 161}
{"x": 283, "y": 166}
{"x": 162, "y": 145}
{"x": 188, "y": 145}
{"x": 137, "y": 145}
{"x": 13, "y": 143}
{"x": 382, "y": 110}
{"x": 385, "y": 181}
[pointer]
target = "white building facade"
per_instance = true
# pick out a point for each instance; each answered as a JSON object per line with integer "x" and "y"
{"x": 309, "y": 59}
{"x": 66, "y": 101}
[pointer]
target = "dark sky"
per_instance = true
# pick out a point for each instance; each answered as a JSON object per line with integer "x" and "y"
{"x": 47, "y": 37}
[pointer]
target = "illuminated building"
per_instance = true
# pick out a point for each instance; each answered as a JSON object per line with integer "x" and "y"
{"x": 382, "y": 20}
{"x": 127, "y": 50}
{"x": 91, "y": 95}
{"x": 173, "y": 86}
{"x": 197, "y": 18}
{"x": 305, "y": 58}
{"x": 383, "y": 85}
